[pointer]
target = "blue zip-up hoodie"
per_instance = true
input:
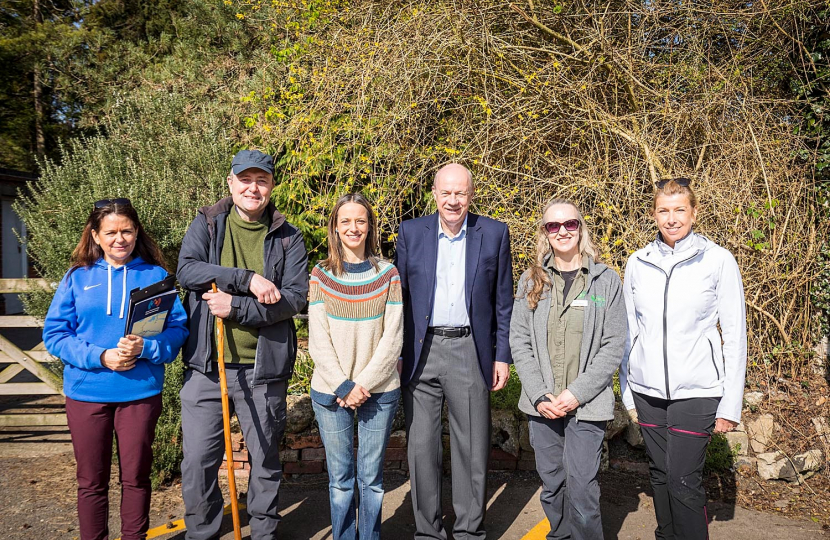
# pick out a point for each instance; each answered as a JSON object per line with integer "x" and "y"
{"x": 87, "y": 316}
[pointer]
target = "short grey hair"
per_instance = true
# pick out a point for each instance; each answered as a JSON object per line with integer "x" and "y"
{"x": 470, "y": 180}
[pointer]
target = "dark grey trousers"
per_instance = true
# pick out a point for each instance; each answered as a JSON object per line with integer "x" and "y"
{"x": 567, "y": 460}
{"x": 261, "y": 414}
{"x": 448, "y": 370}
{"x": 676, "y": 434}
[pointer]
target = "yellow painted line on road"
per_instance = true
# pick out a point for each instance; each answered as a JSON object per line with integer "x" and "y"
{"x": 178, "y": 525}
{"x": 538, "y": 532}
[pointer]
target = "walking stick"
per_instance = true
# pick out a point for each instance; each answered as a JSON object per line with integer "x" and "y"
{"x": 226, "y": 420}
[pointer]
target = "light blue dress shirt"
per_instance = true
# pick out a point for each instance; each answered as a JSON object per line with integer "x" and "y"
{"x": 450, "y": 306}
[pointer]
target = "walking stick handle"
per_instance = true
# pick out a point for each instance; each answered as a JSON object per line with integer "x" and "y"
{"x": 226, "y": 421}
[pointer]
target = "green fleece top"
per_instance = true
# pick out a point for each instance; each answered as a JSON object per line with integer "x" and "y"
{"x": 242, "y": 248}
{"x": 565, "y": 325}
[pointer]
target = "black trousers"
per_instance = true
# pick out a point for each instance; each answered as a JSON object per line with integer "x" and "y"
{"x": 676, "y": 433}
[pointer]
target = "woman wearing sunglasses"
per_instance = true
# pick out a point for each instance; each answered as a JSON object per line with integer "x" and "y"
{"x": 112, "y": 382}
{"x": 684, "y": 377}
{"x": 567, "y": 337}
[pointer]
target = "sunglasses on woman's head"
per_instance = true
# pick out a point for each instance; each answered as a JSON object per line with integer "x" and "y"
{"x": 553, "y": 227}
{"x": 109, "y": 202}
{"x": 682, "y": 182}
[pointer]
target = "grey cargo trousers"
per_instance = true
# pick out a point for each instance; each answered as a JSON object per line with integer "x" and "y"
{"x": 261, "y": 414}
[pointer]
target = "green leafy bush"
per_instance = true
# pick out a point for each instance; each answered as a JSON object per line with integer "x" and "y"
{"x": 507, "y": 399}
{"x": 719, "y": 457}
{"x": 167, "y": 166}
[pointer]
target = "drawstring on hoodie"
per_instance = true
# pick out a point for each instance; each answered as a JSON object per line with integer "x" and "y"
{"x": 109, "y": 291}
{"x": 123, "y": 293}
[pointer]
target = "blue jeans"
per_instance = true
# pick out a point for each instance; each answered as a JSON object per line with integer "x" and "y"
{"x": 374, "y": 424}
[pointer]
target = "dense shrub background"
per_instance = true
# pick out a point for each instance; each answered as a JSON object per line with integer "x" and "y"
{"x": 587, "y": 100}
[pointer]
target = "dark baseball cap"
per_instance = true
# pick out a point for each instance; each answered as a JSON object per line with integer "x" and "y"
{"x": 247, "y": 159}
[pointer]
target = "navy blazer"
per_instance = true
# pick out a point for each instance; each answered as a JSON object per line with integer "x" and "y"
{"x": 489, "y": 288}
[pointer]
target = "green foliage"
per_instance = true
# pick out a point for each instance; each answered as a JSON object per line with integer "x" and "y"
{"x": 812, "y": 90}
{"x": 507, "y": 399}
{"x": 300, "y": 382}
{"x": 34, "y": 35}
{"x": 167, "y": 448}
{"x": 168, "y": 164}
{"x": 167, "y": 182}
{"x": 719, "y": 457}
{"x": 820, "y": 292}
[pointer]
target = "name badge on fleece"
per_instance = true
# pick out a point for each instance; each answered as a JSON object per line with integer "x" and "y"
{"x": 582, "y": 302}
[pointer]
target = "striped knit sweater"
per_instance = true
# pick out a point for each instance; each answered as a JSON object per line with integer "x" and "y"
{"x": 355, "y": 328}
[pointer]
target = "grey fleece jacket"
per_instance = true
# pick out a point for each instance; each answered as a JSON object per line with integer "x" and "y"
{"x": 603, "y": 345}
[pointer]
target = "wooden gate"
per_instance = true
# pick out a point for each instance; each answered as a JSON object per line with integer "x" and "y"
{"x": 48, "y": 382}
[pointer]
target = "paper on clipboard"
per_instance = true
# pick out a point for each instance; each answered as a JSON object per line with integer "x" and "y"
{"x": 149, "y": 308}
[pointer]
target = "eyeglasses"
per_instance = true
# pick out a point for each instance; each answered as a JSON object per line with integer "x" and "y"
{"x": 682, "y": 182}
{"x": 553, "y": 226}
{"x": 109, "y": 202}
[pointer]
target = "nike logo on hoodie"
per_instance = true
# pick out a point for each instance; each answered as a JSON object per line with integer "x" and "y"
{"x": 88, "y": 287}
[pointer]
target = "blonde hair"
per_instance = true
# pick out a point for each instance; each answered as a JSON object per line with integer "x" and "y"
{"x": 334, "y": 262}
{"x": 672, "y": 187}
{"x": 538, "y": 280}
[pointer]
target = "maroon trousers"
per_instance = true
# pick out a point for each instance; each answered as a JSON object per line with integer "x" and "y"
{"x": 91, "y": 426}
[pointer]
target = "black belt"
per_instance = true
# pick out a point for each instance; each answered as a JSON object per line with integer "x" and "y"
{"x": 449, "y": 331}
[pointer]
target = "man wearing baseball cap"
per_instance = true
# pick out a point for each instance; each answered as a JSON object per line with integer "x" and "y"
{"x": 259, "y": 263}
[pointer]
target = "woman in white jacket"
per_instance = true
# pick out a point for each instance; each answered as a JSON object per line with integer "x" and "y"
{"x": 684, "y": 377}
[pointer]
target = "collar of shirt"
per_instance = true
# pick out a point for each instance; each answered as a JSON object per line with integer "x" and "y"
{"x": 461, "y": 234}
{"x": 550, "y": 264}
{"x": 680, "y": 246}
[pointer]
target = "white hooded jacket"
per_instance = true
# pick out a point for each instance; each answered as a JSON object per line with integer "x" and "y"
{"x": 675, "y": 300}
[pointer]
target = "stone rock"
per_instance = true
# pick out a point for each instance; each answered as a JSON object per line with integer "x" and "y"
{"x": 823, "y": 430}
{"x": 781, "y": 503}
{"x": 760, "y": 432}
{"x": 505, "y": 431}
{"x": 524, "y": 437}
{"x": 298, "y": 413}
{"x": 775, "y": 466}
{"x": 819, "y": 363}
{"x": 746, "y": 465}
{"x": 809, "y": 461}
{"x": 753, "y": 399}
{"x": 738, "y": 442}
{"x": 605, "y": 458}
{"x": 619, "y": 423}
{"x": 633, "y": 435}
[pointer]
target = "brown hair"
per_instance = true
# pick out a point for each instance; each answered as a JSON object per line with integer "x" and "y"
{"x": 672, "y": 187}
{"x": 334, "y": 262}
{"x": 87, "y": 251}
{"x": 538, "y": 280}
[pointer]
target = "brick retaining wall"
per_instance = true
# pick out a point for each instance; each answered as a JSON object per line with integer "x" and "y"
{"x": 303, "y": 453}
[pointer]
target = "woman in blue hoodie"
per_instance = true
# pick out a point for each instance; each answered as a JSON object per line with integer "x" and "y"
{"x": 112, "y": 383}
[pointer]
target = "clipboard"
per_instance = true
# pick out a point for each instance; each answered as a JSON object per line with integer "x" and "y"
{"x": 149, "y": 307}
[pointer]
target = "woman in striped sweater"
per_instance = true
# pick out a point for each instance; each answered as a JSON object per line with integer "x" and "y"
{"x": 355, "y": 319}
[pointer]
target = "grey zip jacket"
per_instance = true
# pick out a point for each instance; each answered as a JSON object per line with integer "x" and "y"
{"x": 286, "y": 265}
{"x": 676, "y": 298}
{"x": 603, "y": 345}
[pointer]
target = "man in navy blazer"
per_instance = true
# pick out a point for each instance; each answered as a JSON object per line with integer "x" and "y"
{"x": 457, "y": 281}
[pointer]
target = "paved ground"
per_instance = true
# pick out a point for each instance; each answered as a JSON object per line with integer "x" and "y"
{"x": 37, "y": 499}
{"x": 514, "y": 513}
